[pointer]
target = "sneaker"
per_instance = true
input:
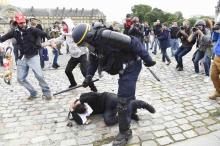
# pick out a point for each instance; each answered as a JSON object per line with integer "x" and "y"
{"x": 206, "y": 79}
{"x": 122, "y": 138}
{"x": 54, "y": 66}
{"x": 195, "y": 75}
{"x": 168, "y": 63}
{"x": 32, "y": 97}
{"x": 47, "y": 97}
{"x": 57, "y": 65}
{"x": 72, "y": 85}
{"x": 180, "y": 69}
{"x": 214, "y": 95}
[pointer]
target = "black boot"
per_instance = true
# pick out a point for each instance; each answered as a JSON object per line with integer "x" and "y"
{"x": 177, "y": 66}
{"x": 180, "y": 69}
{"x": 122, "y": 138}
{"x": 134, "y": 115}
{"x": 93, "y": 87}
{"x": 138, "y": 104}
{"x": 125, "y": 132}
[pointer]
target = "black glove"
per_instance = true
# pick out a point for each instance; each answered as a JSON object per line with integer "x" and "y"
{"x": 149, "y": 64}
{"x": 87, "y": 81}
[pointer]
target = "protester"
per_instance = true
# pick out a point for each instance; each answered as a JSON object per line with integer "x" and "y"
{"x": 156, "y": 29}
{"x": 78, "y": 54}
{"x": 164, "y": 39}
{"x": 136, "y": 29}
{"x": 28, "y": 55}
{"x": 101, "y": 103}
{"x": 147, "y": 32}
{"x": 174, "y": 41}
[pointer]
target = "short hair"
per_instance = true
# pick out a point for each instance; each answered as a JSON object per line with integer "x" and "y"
{"x": 165, "y": 24}
{"x": 80, "y": 108}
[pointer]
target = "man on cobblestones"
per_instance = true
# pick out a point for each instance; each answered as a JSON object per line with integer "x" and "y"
{"x": 28, "y": 55}
{"x": 102, "y": 103}
{"x": 115, "y": 53}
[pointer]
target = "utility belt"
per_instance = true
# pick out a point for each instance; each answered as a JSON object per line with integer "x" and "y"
{"x": 128, "y": 65}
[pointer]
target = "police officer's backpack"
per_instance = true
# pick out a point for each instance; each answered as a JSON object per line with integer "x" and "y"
{"x": 112, "y": 63}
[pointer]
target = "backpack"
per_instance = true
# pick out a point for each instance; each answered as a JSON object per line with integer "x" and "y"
{"x": 112, "y": 63}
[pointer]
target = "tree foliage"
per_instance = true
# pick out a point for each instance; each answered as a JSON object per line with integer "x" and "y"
{"x": 147, "y": 13}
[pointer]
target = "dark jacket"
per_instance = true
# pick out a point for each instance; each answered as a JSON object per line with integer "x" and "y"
{"x": 26, "y": 39}
{"x": 98, "y": 102}
{"x": 137, "y": 30}
{"x": 173, "y": 32}
{"x": 164, "y": 38}
{"x": 157, "y": 29}
{"x": 184, "y": 39}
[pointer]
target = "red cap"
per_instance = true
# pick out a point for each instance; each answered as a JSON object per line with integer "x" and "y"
{"x": 19, "y": 18}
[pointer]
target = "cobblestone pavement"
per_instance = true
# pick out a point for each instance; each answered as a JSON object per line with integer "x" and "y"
{"x": 181, "y": 100}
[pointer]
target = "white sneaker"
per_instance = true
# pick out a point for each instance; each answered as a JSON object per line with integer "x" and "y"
{"x": 206, "y": 79}
{"x": 195, "y": 75}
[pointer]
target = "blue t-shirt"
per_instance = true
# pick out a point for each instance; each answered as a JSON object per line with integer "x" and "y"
{"x": 216, "y": 48}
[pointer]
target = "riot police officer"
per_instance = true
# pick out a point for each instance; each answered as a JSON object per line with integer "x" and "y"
{"x": 115, "y": 53}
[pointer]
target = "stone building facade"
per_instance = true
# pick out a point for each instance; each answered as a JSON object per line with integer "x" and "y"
{"x": 217, "y": 9}
{"x": 48, "y": 16}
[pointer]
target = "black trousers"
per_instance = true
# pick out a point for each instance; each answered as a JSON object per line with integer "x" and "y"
{"x": 72, "y": 63}
{"x": 110, "y": 112}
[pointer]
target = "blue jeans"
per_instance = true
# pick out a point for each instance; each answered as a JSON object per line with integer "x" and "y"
{"x": 155, "y": 43}
{"x": 164, "y": 55}
{"x": 207, "y": 64}
{"x": 33, "y": 63}
{"x": 146, "y": 45}
{"x": 198, "y": 56}
{"x": 56, "y": 54}
{"x": 174, "y": 44}
{"x": 181, "y": 51}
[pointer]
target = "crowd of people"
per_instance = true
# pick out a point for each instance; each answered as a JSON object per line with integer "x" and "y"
{"x": 180, "y": 39}
{"x": 97, "y": 47}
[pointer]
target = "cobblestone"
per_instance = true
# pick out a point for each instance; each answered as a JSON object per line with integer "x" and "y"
{"x": 164, "y": 141}
{"x": 178, "y": 137}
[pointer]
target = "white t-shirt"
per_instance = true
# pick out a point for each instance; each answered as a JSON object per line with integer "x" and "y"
{"x": 86, "y": 114}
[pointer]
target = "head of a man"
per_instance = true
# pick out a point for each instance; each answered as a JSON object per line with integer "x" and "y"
{"x": 21, "y": 20}
{"x": 33, "y": 21}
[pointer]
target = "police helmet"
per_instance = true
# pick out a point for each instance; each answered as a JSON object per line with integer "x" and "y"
{"x": 80, "y": 32}
{"x": 200, "y": 23}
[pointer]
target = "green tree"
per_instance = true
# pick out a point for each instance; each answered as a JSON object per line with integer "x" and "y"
{"x": 141, "y": 10}
{"x": 178, "y": 15}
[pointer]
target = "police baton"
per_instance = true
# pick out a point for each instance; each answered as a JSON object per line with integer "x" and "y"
{"x": 71, "y": 88}
{"x": 155, "y": 76}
